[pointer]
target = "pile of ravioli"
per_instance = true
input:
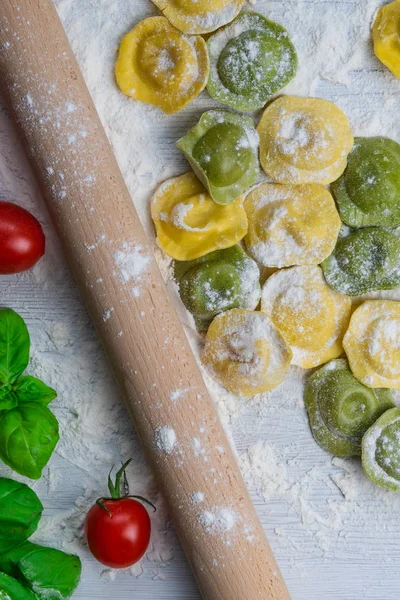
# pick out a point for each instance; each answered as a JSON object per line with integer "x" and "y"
{"x": 277, "y": 232}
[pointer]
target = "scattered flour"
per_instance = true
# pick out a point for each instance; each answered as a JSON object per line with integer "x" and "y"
{"x": 165, "y": 439}
{"x": 132, "y": 262}
{"x": 220, "y": 520}
{"x": 198, "y": 497}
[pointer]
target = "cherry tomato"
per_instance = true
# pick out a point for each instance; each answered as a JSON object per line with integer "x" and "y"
{"x": 118, "y": 529}
{"x": 119, "y": 539}
{"x": 22, "y": 241}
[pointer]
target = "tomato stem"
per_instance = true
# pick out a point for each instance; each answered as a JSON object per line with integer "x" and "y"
{"x": 99, "y": 502}
{"x": 115, "y": 489}
{"x": 142, "y": 499}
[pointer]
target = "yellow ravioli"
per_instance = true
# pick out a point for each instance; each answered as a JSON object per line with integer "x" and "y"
{"x": 199, "y": 16}
{"x": 291, "y": 224}
{"x": 372, "y": 344}
{"x": 304, "y": 140}
{"x": 386, "y": 36}
{"x": 159, "y": 65}
{"x": 190, "y": 224}
{"x": 311, "y": 316}
{"x": 246, "y": 353}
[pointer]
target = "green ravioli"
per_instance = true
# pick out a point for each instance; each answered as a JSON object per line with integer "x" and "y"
{"x": 364, "y": 261}
{"x": 381, "y": 451}
{"x": 251, "y": 59}
{"x": 223, "y": 152}
{"x": 368, "y": 192}
{"x": 218, "y": 282}
{"x": 341, "y": 409}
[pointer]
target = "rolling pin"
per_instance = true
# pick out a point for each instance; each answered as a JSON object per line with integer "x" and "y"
{"x": 111, "y": 260}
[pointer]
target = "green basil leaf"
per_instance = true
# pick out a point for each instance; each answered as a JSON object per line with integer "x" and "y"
{"x": 28, "y": 436}
{"x": 9, "y": 561}
{"x": 10, "y": 589}
{"x": 20, "y": 513}
{"x": 30, "y": 389}
{"x": 8, "y": 398}
{"x": 14, "y": 345}
{"x": 49, "y": 573}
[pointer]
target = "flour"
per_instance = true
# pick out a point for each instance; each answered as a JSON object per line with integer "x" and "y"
{"x": 165, "y": 440}
{"x": 198, "y": 497}
{"x": 220, "y": 520}
{"x": 179, "y": 214}
{"x": 131, "y": 262}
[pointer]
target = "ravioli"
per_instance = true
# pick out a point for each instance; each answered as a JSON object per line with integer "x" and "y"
{"x": 199, "y": 16}
{"x": 223, "y": 152}
{"x": 246, "y": 353}
{"x": 251, "y": 59}
{"x": 368, "y": 192}
{"x": 291, "y": 224}
{"x": 386, "y": 36}
{"x": 341, "y": 409}
{"x": 372, "y": 344}
{"x": 190, "y": 224}
{"x": 381, "y": 451}
{"x": 363, "y": 261}
{"x": 159, "y": 65}
{"x": 304, "y": 140}
{"x": 217, "y": 282}
{"x": 312, "y": 317}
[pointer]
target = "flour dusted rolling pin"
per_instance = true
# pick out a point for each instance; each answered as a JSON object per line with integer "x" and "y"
{"x": 109, "y": 255}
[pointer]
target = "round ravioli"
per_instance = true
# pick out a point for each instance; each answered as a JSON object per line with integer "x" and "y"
{"x": 190, "y": 224}
{"x": 363, "y": 261}
{"x": 250, "y": 60}
{"x": 372, "y": 344}
{"x": 304, "y": 140}
{"x": 381, "y": 451}
{"x": 199, "y": 16}
{"x": 386, "y": 36}
{"x": 217, "y": 282}
{"x": 368, "y": 192}
{"x": 246, "y": 353}
{"x": 291, "y": 224}
{"x": 311, "y": 316}
{"x": 159, "y": 65}
{"x": 341, "y": 409}
{"x": 223, "y": 152}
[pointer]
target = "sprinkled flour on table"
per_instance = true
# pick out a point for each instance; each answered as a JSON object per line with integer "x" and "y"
{"x": 328, "y": 525}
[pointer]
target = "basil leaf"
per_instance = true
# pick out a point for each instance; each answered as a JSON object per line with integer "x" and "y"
{"x": 49, "y": 573}
{"x": 28, "y": 436}
{"x": 14, "y": 345}
{"x": 30, "y": 389}
{"x": 20, "y": 513}
{"x": 8, "y": 398}
{"x": 10, "y": 589}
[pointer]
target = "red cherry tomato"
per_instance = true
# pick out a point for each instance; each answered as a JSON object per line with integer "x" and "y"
{"x": 22, "y": 241}
{"x": 119, "y": 539}
{"x": 118, "y": 529}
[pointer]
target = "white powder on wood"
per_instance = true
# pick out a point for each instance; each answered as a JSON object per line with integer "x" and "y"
{"x": 165, "y": 439}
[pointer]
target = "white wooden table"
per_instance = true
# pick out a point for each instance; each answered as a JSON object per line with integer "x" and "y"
{"x": 334, "y": 534}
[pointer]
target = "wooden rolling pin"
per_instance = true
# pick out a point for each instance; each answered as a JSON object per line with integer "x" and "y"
{"x": 109, "y": 255}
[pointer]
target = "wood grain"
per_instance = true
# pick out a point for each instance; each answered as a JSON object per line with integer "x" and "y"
{"x": 134, "y": 317}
